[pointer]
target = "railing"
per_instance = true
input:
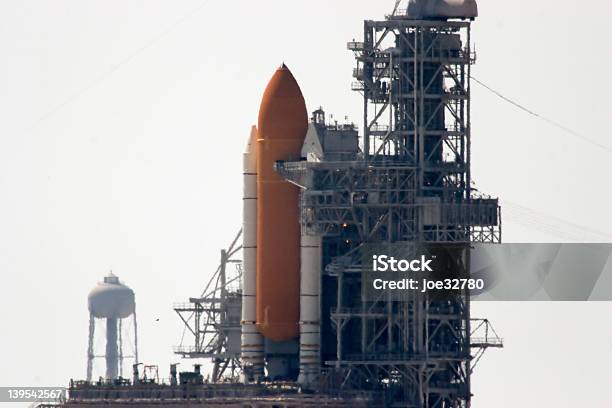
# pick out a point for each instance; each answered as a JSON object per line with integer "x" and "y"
{"x": 481, "y": 342}
{"x": 184, "y": 306}
{"x": 187, "y": 350}
{"x": 379, "y": 128}
{"x": 355, "y": 46}
{"x": 357, "y": 86}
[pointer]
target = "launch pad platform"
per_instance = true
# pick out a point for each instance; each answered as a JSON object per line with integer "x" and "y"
{"x": 213, "y": 395}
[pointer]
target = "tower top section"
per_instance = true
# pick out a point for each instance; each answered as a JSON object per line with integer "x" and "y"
{"x": 441, "y": 9}
{"x": 111, "y": 278}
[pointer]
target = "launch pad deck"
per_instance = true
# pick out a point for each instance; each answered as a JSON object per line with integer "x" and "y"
{"x": 208, "y": 395}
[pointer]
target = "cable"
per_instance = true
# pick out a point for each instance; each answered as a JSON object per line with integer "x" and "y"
{"x": 545, "y": 119}
{"x": 535, "y": 219}
{"x": 115, "y": 67}
{"x": 552, "y": 225}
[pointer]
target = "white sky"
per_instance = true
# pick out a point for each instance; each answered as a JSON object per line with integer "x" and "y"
{"x": 121, "y": 134}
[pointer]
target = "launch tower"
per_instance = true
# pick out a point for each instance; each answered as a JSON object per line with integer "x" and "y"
{"x": 410, "y": 186}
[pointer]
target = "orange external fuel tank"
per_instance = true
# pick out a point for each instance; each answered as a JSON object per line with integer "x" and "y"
{"x": 283, "y": 123}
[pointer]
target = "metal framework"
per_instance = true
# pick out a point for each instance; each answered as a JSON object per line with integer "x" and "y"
{"x": 412, "y": 187}
{"x": 213, "y": 319}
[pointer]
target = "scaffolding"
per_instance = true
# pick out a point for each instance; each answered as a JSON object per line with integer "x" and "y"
{"x": 213, "y": 318}
{"x": 410, "y": 186}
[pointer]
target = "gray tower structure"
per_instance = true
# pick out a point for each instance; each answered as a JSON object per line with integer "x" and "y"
{"x": 213, "y": 318}
{"x": 409, "y": 186}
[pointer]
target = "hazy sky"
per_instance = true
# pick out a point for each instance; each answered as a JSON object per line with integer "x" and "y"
{"x": 121, "y": 133}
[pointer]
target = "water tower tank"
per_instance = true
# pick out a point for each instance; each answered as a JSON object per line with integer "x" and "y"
{"x": 111, "y": 299}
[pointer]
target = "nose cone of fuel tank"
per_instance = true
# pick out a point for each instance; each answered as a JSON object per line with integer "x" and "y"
{"x": 282, "y": 114}
{"x": 283, "y": 123}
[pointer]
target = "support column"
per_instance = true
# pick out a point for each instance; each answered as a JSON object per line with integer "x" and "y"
{"x": 112, "y": 354}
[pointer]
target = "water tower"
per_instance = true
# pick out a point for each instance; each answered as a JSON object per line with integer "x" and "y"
{"x": 114, "y": 302}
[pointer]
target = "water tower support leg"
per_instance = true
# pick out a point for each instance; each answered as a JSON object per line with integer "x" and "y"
{"x": 90, "y": 354}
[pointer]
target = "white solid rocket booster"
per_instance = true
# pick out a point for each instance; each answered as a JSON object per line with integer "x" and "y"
{"x": 310, "y": 282}
{"x": 252, "y": 340}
